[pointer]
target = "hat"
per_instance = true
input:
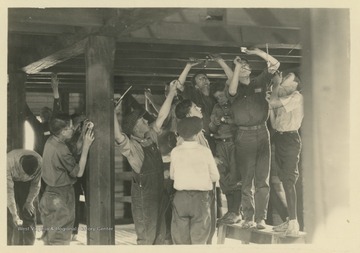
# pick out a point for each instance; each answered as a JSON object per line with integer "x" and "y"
{"x": 129, "y": 121}
{"x": 189, "y": 127}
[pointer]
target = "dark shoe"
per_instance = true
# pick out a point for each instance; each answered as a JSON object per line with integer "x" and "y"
{"x": 232, "y": 218}
{"x": 224, "y": 217}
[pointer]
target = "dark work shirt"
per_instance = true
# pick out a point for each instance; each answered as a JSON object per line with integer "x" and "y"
{"x": 206, "y": 103}
{"x": 59, "y": 165}
{"x": 249, "y": 105}
{"x": 225, "y": 129}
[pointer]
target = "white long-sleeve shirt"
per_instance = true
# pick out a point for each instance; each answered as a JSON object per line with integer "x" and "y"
{"x": 290, "y": 115}
{"x": 193, "y": 167}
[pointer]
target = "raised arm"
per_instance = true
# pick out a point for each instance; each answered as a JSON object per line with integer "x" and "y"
{"x": 166, "y": 106}
{"x": 274, "y": 101}
{"x": 228, "y": 71}
{"x": 119, "y": 135}
{"x": 273, "y": 64}
{"x": 273, "y": 98}
{"x": 55, "y": 89}
{"x": 234, "y": 83}
{"x": 88, "y": 140}
{"x": 182, "y": 78}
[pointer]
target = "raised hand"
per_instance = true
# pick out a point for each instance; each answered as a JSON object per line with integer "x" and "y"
{"x": 251, "y": 51}
{"x": 54, "y": 81}
{"x": 277, "y": 78}
{"x": 175, "y": 84}
{"x": 193, "y": 62}
{"x": 215, "y": 57}
{"x": 237, "y": 60}
{"x": 89, "y": 137}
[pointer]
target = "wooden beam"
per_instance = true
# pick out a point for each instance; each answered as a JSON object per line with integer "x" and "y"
{"x": 230, "y": 34}
{"x": 58, "y": 57}
{"x": 15, "y": 113}
{"x": 122, "y": 22}
{"x": 327, "y": 112}
{"x": 259, "y": 17}
{"x": 217, "y": 46}
{"x": 99, "y": 55}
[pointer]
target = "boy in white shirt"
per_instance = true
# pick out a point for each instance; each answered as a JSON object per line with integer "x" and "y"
{"x": 286, "y": 115}
{"x": 193, "y": 170}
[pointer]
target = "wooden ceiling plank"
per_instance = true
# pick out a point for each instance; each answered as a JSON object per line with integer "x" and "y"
{"x": 124, "y": 21}
{"x": 39, "y": 29}
{"x": 58, "y": 57}
{"x": 221, "y": 32}
{"x": 226, "y": 46}
{"x": 57, "y": 16}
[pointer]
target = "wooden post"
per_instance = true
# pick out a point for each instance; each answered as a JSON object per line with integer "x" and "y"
{"x": 325, "y": 131}
{"x": 99, "y": 57}
{"x": 16, "y": 105}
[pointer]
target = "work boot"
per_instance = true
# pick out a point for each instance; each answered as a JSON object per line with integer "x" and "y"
{"x": 232, "y": 218}
{"x": 224, "y": 217}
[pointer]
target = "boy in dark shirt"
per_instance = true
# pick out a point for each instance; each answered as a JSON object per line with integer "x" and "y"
{"x": 223, "y": 129}
{"x": 60, "y": 171}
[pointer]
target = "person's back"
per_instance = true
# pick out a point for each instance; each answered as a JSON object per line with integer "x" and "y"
{"x": 194, "y": 171}
{"x": 23, "y": 185}
{"x": 191, "y": 171}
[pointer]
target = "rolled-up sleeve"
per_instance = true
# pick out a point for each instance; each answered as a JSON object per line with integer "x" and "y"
{"x": 68, "y": 162}
{"x": 133, "y": 152}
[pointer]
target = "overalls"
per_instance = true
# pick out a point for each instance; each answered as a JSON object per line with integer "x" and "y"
{"x": 146, "y": 195}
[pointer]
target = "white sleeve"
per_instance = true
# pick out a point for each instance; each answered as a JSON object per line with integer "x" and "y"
{"x": 292, "y": 102}
{"x": 213, "y": 170}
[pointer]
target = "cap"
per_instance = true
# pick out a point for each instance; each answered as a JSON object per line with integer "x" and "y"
{"x": 129, "y": 121}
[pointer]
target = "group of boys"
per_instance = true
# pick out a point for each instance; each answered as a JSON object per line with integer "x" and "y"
{"x": 59, "y": 159}
{"x": 227, "y": 141}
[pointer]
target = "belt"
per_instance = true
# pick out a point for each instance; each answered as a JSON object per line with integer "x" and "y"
{"x": 286, "y": 132}
{"x": 224, "y": 139}
{"x": 193, "y": 191}
{"x": 251, "y": 127}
